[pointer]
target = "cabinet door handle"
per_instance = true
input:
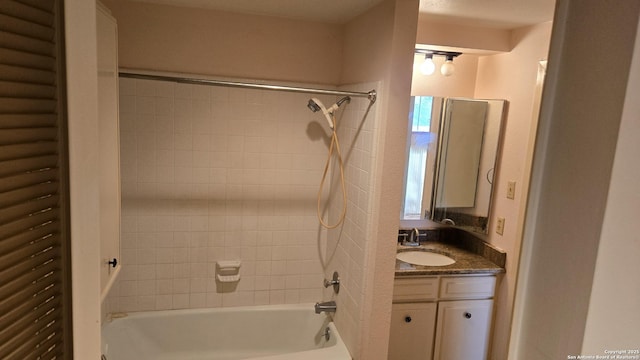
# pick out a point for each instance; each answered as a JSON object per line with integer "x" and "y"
{"x": 407, "y": 319}
{"x": 467, "y": 315}
{"x": 113, "y": 262}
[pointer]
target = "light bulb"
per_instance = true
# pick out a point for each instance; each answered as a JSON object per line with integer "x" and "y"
{"x": 448, "y": 68}
{"x": 428, "y": 67}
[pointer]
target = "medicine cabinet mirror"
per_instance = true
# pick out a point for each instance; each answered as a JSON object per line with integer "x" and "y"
{"x": 452, "y": 156}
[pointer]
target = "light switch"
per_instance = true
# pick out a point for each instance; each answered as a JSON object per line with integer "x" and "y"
{"x": 500, "y": 226}
{"x": 511, "y": 190}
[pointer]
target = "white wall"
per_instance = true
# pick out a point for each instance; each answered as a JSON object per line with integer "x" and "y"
{"x": 379, "y": 47}
{"x": 461, "y": 36}
{"x": 461, "y": 84}
{"x": 579, "y": 125}
{"x": 203, "y": 41}
{"x": 512, "y": 76}
{"x": 615, "y": 292}
{"x": 82, "y": 108}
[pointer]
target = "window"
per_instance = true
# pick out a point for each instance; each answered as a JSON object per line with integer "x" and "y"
{"x": 420, "y": 116}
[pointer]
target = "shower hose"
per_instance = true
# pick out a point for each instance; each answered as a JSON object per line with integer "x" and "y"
{"x": 334, "y": 144}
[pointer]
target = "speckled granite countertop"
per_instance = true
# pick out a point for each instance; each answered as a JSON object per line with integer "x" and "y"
{"x": 467, "y": 262}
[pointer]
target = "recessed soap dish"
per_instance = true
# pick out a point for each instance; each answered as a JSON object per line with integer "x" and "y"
{"x": 228, "y": 270}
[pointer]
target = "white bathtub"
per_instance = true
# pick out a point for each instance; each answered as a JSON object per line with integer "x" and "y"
{"x": 274, "y": 332}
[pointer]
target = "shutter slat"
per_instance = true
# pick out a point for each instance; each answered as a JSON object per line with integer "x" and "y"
{"x": 25, "y": 43}
{"x": 27, "y": 75}
{"x": 27, "y": 12}
{"x": 11, "y": 89}
{"x": 17, "y": 136}
{"x": 21, "y": 320}
{"x": 29, "y": 106}
{"x": 28, "y": 208}
{"x": 34, "y": 239}
{"x": 14, "y": 167}
{"x": 26, "y": 28}
{"x": 19, "y": 275}
{"x": 12, "y": 121}
{"x": 21, "y": 309}
{"x": 32, "y": 297}
{"x": 47, "y": 350}
{"x": 26, "y": 252}
{"x": 25, "y": 345}
{"x": 41, "y": 219}
{"x": 44, "y": 5}
{"x": 27, "y": 179}
{"x": 26, "y": 59}
{"x": 28, "y": 193}
{"x": 28, "y": 150}
{"x": 38, "y": 234}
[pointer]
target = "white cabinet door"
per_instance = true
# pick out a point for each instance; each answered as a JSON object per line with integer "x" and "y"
{"x": 463, "y": 330}
{"x": 109, "y": 145}
{"x": 412, "y": 330}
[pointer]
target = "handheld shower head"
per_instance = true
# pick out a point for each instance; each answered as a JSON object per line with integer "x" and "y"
{"x": 313, "y": 106}
{"x": 316, "y": 105}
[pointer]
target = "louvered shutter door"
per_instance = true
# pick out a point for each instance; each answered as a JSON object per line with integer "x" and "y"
{"x": 34, "y": 245}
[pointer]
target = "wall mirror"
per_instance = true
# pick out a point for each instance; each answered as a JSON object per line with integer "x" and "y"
{"x": 452, "y": 156}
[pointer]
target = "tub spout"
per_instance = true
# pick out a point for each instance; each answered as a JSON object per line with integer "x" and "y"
{"x": 327, "y": 306}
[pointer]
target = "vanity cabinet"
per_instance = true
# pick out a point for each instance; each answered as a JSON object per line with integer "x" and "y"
{"x": 463, "y": 330}
{"x": 412, "y": 324}
{"x": 441, "y": 317}
{"x": 109, "y": 147}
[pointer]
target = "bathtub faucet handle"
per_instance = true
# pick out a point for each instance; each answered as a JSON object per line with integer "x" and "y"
{"x": 335, "y": 282}
{"x": 327, "y": 306}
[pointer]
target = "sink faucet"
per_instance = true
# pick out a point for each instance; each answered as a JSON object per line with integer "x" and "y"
{"x": 414, "y": 238}
{"x": 327, "y": 306}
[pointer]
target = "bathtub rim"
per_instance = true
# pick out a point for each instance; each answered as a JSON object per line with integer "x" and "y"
{"x": 339, "y": 347}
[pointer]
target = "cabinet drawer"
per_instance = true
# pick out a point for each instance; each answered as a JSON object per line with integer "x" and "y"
{"x": 415, "y": 289}
{"x": 468, "y": 287}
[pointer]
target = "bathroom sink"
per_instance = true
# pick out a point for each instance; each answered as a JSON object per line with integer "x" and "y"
{"x": 424, "y": 258}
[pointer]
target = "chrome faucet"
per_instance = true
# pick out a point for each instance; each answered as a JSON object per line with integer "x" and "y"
{"x": 327, "y": 306}
{"x": 414, "y": 238}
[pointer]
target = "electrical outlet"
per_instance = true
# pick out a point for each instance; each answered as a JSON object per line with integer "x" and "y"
{"x": 500, "y": 226}
{"x": 511, "y": 190}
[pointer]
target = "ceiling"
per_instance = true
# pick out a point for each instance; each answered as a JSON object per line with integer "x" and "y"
{"x": 502, "y": 14}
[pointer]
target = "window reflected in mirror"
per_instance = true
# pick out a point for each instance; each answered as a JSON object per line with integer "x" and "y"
{"x": 424, "y": 116}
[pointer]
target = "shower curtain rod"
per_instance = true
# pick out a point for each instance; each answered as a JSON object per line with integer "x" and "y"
{"x": 371, "y": 95}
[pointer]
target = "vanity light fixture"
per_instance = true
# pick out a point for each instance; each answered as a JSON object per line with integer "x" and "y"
{"x": 428, "y": 67}
{"x": 448, "y": 68}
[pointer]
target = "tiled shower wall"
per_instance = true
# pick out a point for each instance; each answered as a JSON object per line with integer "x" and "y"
{"x": 348, "y": 249}
{"x": 214, "y": 173}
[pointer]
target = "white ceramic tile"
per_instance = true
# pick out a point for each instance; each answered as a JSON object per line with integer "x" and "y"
{"x": 164, "y": 302}
{"x": 292, "y": 296}
{"x": 180, "y": 301}
{"x": 213, "y": 300}
{"x": 183, "y": 91}
{"x": 230, "y": 174}
{"x": 127, "y": 104}
{"x": 276, "y": 297}
{"x": 198, "y": 300}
